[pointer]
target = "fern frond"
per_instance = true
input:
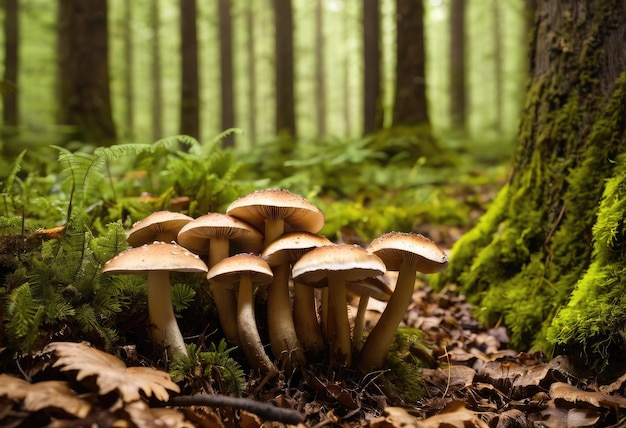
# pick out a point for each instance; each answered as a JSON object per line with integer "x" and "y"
{"x": 24, "y": 312}
{"x": 173, "y": 141}
{"x": 17, "y": 167}
{"x": 110, "y": 244}
{"x": 182, "y": 296}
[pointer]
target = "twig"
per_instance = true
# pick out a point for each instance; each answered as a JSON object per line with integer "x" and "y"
{"x": 263, "y": 410}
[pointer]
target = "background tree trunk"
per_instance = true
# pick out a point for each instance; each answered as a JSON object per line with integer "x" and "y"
{"x": 458, "y": 107}
{"x": 410, "y": 106}
{"x": 10, "y": 100}
{"x": 498, "y": 64}
{"x": 129, "y": 99}
{"x": 543, "y": 236}
{"x": 320, "y": 81}
{"x": 251, "y": 73}
{"x": 227, "y": 93}
{"x": 83, "y": 71}
{"x": 155, "y": 72}
{"x": 190, "y": 85}
{"x": 372, "y": 97}
{"x": 284, "y": 69}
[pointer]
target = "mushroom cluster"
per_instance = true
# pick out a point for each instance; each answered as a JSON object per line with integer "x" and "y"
{"x": 269, "y": 238}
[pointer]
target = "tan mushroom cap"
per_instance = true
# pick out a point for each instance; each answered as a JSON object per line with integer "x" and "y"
{"x": 154, "y": 257}
{"x": 289, "y": 247}
{"x": 395, "y": 247}
{"x": 197, "y": 234}
{"x": 275, "y": 204}
{"x": 158, "y": 226}
{"x": 231, "y": 269}
{"x": 375, "y": 287}
{"x": 351, "y": 261}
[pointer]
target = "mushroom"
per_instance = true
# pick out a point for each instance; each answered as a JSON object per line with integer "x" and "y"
{"x": 406, "y": 253}
{"x": 158, "y": 226}
{"x": 158, "y": 260}
{"x": 335, "y": 265}
{"x": 369, "y": 287}
{"x": 275, "y": 211}
{"x": 303, "y": 325}
{"x": 214, "y": 234}
{"x": 243, "y": 270}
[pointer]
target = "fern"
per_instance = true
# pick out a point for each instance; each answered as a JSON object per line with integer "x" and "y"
{"x": 182, "y": 296}
{"x": 17, "y": 167}
{"x": 25, "y": 314}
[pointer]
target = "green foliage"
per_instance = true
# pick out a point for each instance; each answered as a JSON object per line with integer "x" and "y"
{"x": 182, "y": 296}
{"x": 210, "y": 370}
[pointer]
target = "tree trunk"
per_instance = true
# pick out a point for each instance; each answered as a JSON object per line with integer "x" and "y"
{"x": 410, "y": 106}
{"x": 129, "y": 104}
{"x": 155, "y": 72}
{"x": 498, "y": 62}
{"x": 227, "y": 92}
{"x": 10, "y": 101}
{"x": 372, "y": 97}
{"x": 320, "y": 81}
{"x": 190, "y": 86}
{"x": 83, "y": 71}
{"x": 458, "y": 111}
{"x": 543, "y": 242}
{"x": 250, "y": 49}
{"x": 284, "y": 69}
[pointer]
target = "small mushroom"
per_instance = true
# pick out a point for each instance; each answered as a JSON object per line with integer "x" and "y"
{"x": 243, "y": 270}
{"x": 335, "y": 265}
{"x": 158, "y": 226}
{"x": 303, "y": 326}
{"x": 369, "y": 287}
{"x": 406, "y": 253}
{"x": 216, "y": 234}
{"x": 158, "y": 260}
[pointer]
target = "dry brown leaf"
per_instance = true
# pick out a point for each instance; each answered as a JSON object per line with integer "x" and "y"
{"x": 455, "y": 415}
{"x": 143, "y": 416}
{"x": 394, "y": 417}
{"x": 111, "y": 373}
{"x": 565, "y": 391}
{"x": 43, "y": 395}
{"x": 616, "y": 386}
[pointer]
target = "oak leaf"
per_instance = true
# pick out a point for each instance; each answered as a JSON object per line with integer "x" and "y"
{"x": 111, "y": 373}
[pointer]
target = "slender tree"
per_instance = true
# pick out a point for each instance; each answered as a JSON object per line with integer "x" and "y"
{"x": 83, "y": 70}
{"x": 410, "y": 106}
{"x": 10, "y": 100}
{"x": 498, "y": 64}
{"x": 227, "y": 92}
{"x": 320, "y": 75}
{"x": 547, "y": 259}
{"x": 155, "y": 72}
{"x": 190, "y": 84}
{"x": 250, "y": 51}
{"x": 372, "y": 98}
{"x": 129, "y": 99}
{"x": 458, "y": 107}
{"x": 284, "y": 68}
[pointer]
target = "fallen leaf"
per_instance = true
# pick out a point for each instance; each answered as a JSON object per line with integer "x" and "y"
{"x": 394, "y": 417}
{"x": 560, "y": 391}
{"x": 455, "y": 415}
{"x": 111, "y": 373}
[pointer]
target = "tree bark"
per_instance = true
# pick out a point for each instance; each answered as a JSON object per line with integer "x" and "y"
{"x": 155, "y": 72}
{"x": 227, "y": 93}
{"x": 497, "y": 62}
{"x": 543, "y": 242}
{"x": 458, "y": 109}
{"x": 320, "y": 80}
{"x": 190, "y": 85}
{"x": 129, "y": 99}
{"x": 284, "y": 69}
{"x": 10, "y": 100}
{"x": 372, "y": 97}
{"x": 410, "y": 106}
{"x": 250, "y": 50}
{"x": 83, "y": 71}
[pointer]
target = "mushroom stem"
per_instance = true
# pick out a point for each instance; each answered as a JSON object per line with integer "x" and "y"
{"x": 338, "y": 333}
{"x": 359, "y": 323}
{"x": 163, "y": 323}
{"x": 282, "y": 332}
{"x": 248, "y": 331}
{"x": 379, "y": 340}
{"x": 224, "y": 298}
{"x": 273, "y": 229}
{"x": 305, "y": 320}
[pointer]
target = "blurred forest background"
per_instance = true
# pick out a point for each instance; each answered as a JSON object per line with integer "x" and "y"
{"x": 218, "y": 65}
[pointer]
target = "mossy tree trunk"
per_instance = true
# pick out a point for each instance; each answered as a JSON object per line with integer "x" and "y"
{"x": 544, "y": 239}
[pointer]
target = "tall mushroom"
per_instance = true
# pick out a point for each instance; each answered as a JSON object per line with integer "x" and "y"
{"x": 158, "y": 260}
{"x": 243, "y": 270}
{"x": 158, "y": 226}
{"x": 406, "y": 253}
{"x": 335, "y": 265}
{"x": 215, "y": 234}
{"x": 280, "y": 255}
{"x": 366, "y": 288}
{"x": 275, "y": 211}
